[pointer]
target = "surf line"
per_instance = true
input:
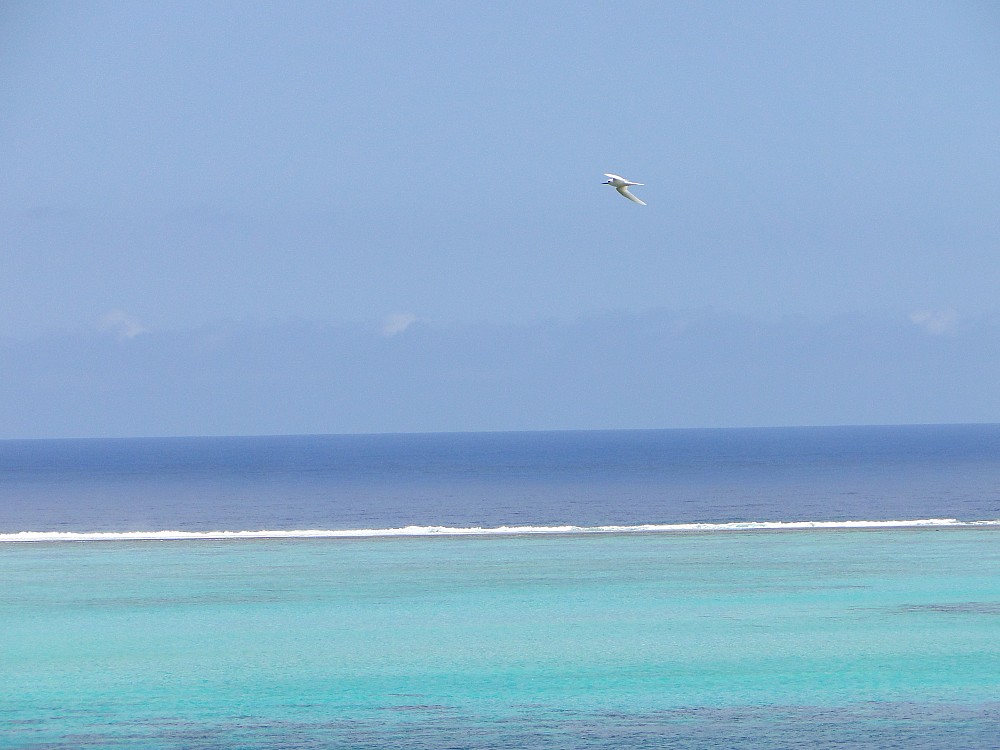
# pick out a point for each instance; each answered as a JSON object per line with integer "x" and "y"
{"x": 442, "y": 531}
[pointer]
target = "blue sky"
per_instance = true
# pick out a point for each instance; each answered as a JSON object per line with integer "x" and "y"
{"x": 229, "y": 218}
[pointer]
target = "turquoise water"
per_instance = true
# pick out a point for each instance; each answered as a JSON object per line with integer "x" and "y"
{"x": 874, "y": 638}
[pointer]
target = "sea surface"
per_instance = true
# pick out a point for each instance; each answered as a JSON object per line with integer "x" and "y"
{"x": 782, "y": 588}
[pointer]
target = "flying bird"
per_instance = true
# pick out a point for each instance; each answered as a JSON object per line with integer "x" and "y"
{"x": 622, "y": 185}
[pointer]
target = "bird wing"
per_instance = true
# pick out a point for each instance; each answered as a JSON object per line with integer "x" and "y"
{"x": 624, "y": 191}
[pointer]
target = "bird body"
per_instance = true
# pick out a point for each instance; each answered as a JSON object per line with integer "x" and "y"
{"x": 622, "y": 185}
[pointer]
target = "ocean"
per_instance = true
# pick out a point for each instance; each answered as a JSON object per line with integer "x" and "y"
{"x": 776, "y": 588}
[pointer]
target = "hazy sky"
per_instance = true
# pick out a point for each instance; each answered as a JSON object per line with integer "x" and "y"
{"x": 222, "y": 217}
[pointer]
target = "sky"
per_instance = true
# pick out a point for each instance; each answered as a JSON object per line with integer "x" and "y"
{"x": 313, "y": 217}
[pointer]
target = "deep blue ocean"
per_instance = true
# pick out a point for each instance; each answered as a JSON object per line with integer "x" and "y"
{"x": 495, "y": 479}
{"x": 773, "y": 588}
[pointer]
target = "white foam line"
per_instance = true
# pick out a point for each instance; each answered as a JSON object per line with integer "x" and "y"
{"x": 430, "y": 531}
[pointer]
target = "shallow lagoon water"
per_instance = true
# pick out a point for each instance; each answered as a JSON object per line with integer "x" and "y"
{"x": 561, "y": 641}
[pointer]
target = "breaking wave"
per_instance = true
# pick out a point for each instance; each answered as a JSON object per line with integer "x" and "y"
{"x": 437, "y": 531}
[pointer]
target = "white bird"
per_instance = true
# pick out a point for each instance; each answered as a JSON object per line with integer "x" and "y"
{"x": 622, "y": 185}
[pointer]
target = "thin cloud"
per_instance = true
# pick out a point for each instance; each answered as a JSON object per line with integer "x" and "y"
{"x": 935, "y": 322}
{"x": 120, "y": 323}
{"x": 397, "y": 323}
